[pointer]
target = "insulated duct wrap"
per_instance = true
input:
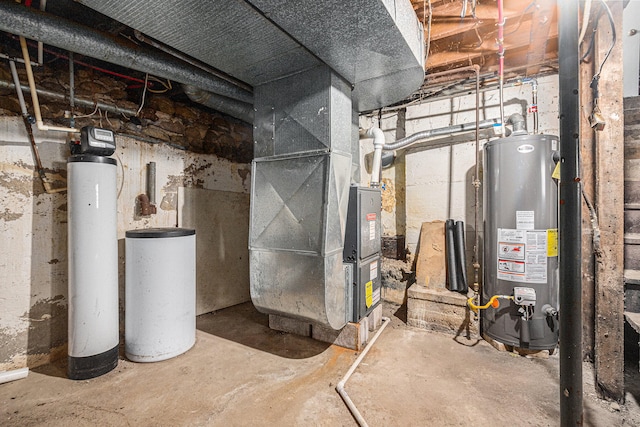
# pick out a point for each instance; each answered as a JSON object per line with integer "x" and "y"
{"x": 377, "y": 46}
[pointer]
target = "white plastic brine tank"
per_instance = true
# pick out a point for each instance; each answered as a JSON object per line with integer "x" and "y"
{"x": 160, "y": 292}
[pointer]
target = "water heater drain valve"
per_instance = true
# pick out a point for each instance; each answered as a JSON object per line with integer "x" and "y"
{"x": 524, "y": 296}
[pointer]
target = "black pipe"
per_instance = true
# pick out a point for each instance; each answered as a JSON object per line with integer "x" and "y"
{"x": 570, "y": 228}
{"x": 461, "y": 258}
{"x": 452, "y": 271}
{"x": 68, "y": 35}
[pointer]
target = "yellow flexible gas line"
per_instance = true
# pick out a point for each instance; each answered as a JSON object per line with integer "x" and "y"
{"x": 493, "y": 301}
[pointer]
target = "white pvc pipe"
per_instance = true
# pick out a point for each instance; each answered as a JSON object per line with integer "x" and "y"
{"x": 340, "y": 387}
{"x": 378, "y": 144}
{"x": 16, "y": 374}
{"x": 34, "y": 95}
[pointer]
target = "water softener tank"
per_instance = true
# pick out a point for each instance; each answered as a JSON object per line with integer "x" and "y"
{"x": 160, "y": 290}
{"x": 521, "y": 241}
{"x": 93, "y": 266}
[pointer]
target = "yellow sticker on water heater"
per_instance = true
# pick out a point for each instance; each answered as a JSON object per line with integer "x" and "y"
{"x": 556, "y": 172}
{"x": 368, "y": 291}
{"x": 552, "y": 242}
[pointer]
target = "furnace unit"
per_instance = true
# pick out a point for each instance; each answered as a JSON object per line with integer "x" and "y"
{"x": 362, "y": 250}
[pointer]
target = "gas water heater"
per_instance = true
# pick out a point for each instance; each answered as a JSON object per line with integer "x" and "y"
{"x": 521, "y": 241}
{"x": 93, "y": 256}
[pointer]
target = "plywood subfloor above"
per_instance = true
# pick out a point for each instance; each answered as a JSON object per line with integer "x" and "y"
{"x": 530, "y": 34}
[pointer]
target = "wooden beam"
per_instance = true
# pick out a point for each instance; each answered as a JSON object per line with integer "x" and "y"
{"x": 446, "y": 19}
{"x": 587, "y": 151}
{"x": 609, "y": 299}
{"x": 488, "y": 47}
{"x": 543, "y": 17}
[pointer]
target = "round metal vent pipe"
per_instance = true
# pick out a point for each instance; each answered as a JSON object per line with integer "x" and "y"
{"x": 234, "y": 108}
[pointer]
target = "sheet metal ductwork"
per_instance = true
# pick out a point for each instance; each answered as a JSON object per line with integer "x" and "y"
{"x": 312, "y": 65}
{"x": 375, "y": 45}
{"x": 299, "y": 196}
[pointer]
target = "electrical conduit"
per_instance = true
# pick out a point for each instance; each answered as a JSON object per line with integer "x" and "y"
{"x": 340, "y": 387}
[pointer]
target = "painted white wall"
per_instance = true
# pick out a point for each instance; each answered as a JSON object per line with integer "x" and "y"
{"x": 438, "y": 180}
{"x": 631, "y": 48}
{"x": 33, "y": 228}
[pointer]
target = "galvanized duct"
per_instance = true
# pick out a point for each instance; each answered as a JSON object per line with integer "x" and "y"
{"x": 299, "y": 197}
{"x": 68, "y": 35}
{"x": 238, "y": 109}
{"x": 419, "y": 136}
{"x": 375, "y": 45}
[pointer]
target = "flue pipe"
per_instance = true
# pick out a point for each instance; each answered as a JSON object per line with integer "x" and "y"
{"x": 501, "y": 60}
{"x": 232, "y": 107}
{"x": 378, "y": 144}
{"x": 68, "y": 35}
{"x": 425, "y": 134}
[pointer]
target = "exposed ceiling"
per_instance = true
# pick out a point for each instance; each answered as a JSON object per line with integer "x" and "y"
{"x": 465, "y": 32}
{"x": 458, "y": 33}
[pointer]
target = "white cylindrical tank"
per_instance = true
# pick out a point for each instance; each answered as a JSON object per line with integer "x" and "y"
{"x": 93, "y": 266}
{"x": 160, "y": 291}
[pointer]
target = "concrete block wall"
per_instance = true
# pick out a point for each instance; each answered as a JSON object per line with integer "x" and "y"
{"x": 434, "y": 182}
{"x": 33, "y": 226}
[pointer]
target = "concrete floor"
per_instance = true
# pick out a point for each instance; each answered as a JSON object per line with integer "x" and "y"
{"x": 241, "y": 373}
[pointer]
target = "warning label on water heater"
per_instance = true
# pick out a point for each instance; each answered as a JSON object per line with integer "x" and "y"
{"x": 522, "y": 255}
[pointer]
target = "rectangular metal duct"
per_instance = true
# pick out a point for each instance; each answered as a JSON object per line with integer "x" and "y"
{"x": 375, "y": 45}
{"x": 230, "y": 35}
{"x": 299, "y": 196}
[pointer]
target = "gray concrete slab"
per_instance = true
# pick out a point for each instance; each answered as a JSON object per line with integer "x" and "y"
{"x": 241, "y": 373}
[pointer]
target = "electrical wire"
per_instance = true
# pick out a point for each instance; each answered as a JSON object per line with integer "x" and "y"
{"x": 524, "y": 12}
{"x": 428, "y": 25}
{"x": 88, "y": 115}
{"x": 122, "y": 180}
{"x": 593, "y": 215}
{"x": 144, "y": 93}
{"x": 107, "y": 118}
{"x": 596, "y": 77}
{"x": 167, "y": 86}
{"x": 585, "y": 20}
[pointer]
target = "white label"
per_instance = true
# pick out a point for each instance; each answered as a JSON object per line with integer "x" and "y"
{"x": 525, "y": 220}
{"x": 554, "y": 144}
{"x": 372, "y": 230}
{"x": 522, "y": 255}
{"x": 525, "y": 148}
{"x": 373, "y": 270}
{"x": 376, "y": 296}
